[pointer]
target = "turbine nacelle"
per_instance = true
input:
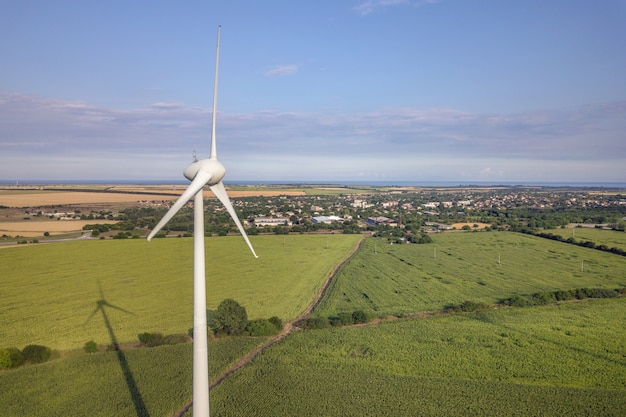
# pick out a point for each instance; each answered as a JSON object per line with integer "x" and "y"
{"x": 211, "y": 166}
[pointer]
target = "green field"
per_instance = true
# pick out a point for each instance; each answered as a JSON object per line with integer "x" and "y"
{"x": 550, "y": 361}
{"x": 610, "y": 238}
{"x": 478, "y": 266}
{"x": 50, "y": 292}
{"x": 558, "y": 360}
{"x": 134, "y": 383}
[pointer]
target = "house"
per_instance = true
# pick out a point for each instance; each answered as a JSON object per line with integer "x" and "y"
{"x": 271, "y": 221}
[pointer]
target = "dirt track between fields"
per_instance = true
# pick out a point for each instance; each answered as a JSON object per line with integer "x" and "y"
{"x": 287, "y": 330}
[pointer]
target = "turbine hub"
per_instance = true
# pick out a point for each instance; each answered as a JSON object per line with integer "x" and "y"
{"x": 213, "y": 166}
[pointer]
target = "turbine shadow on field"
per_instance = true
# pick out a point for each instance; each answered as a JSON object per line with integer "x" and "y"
{"x": 101, "y": 305}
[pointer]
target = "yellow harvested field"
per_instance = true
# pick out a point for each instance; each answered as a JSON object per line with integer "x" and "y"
{"x": 60, "y": 198}
{"x": 258, "y": 193}
{"x": 38, "y": 228}
{"x": 471, "y": 225}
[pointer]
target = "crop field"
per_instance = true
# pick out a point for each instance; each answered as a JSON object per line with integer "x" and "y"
{"x": 483, "y": 267}
{"x": 131, "y": 383}
{"x": 56, "y": 294}
{"x": 610, "y": 238}
{"x": 34, "y": 198}
{"x": 549, "y": 361}
{"x": 567, "y": 359}
{"x": 39, "y": 227}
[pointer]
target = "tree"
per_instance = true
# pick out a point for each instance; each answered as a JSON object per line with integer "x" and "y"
{"x": 231, "y": 317}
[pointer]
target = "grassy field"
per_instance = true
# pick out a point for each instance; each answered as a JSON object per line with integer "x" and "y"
{"x": 483, "y": 267}
{"x": 610, "y": 238}
{"x": 553, "y": 361}
{"x": 51, "y": 292}
{"x": 133, "y": 383}
{"x": 550, "y": 361}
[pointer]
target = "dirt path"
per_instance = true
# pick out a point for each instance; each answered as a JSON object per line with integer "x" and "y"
{"x": 287, "y": 329}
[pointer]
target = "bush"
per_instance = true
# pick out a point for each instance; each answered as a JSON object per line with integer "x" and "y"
{"x": 5, "y": 359}
{"x": 91, "y": 347}
{"x": 17, "y": 357}
{"x": 468, "y": 306}
{"x": 603, "y": 293}
{"x": 150, "y": 339}
{"x": 36, "y": 353}
{"x": 564, "y": 295}
{"x": 520, "y": 301}
{"x": 346, "y": 318}
{"x": 313, "y": 323}
{"x": 543, "y": 298}
{"x": 277, "y": 322}
{"x": 261, "y": 327}
{"x": 360, "y": 316}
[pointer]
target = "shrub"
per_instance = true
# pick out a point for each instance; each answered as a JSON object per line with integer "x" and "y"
{"x": 346, "y": 318}
{"x": 313, "y": 323}
{"x": 36, "y": 353}
{"x": 603, "y": 293}
{"x": 5, "y": 359}
{"x": 468, "y": 306}
{"x": 277, "y": 322}
{"x": 564, "y": 295}
{"x": 543, "y": 298}
{"x": 17, "y": 357}
{"x": 261, "y": 327}
{"x": 360, "y": 316}
{"x": 150, "y": 339}
{"x": 520, "y": 301}
{"x": 91, "y": 347}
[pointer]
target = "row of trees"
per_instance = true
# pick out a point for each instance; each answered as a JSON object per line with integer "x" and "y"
{"x": 541, "y": 298}
{"x": 573, "y": 241}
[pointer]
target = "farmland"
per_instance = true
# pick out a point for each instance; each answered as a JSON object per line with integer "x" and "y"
{"x": 609, "y": 238}
{"x": 50, "y": 291}
{"x": 140, "y": 382}
{"x": 482, "y": 267}
{"x": 553, "y": 360}
{"x": 550, "y": 361}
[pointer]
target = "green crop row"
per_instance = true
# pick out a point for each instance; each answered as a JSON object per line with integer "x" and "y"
{"x": 59, "y": 294}
{"x": 137, "y": 382}
{"x": 609, "y": 238}
{"x": 484, "y": 267}
{"x": 549, "y": 361}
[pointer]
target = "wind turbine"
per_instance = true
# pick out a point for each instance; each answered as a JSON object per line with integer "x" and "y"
{"x": 202, "y": 172}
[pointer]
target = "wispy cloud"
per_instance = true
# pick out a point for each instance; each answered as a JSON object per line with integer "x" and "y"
{"x": 280, "y": 70}
{"x": 372, "y": 6}
{"x": 156, "y": 141}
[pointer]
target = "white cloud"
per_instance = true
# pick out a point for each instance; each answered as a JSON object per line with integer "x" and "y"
{"x": 49, "y": 138}
{"x": 280, "y": 70}
{"x": 372, "y": 6}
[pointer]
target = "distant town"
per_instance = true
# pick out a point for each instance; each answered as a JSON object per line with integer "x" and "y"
{"x": 403, "y": 214}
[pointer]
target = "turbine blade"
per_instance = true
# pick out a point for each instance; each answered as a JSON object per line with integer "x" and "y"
{"x": 220, "y": 192}
{"x": 199, "y": 181}
{"x": 217, "y": 61}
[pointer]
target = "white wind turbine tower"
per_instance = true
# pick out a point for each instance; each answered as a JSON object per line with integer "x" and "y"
{"x": 202, "y": 172}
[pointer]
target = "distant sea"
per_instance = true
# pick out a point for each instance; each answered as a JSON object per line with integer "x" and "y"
{"x": 380, "y": 183}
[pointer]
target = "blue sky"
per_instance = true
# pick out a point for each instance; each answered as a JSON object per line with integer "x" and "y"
{"x": 378, "y": 90}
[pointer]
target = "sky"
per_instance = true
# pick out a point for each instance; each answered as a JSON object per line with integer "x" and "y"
{"x": 324, "y": 90}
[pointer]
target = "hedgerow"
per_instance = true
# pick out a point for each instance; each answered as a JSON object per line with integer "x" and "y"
{"x": 547, "y": 297}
